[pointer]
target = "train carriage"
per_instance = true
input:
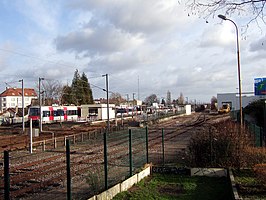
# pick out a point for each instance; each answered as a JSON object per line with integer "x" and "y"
{"x": 51, "y": 114}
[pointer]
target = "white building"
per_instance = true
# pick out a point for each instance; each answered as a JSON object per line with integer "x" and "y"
{"x": 12, "y": 98}
{"x": 233, "y": 99}
{"x": 97, "y": 111}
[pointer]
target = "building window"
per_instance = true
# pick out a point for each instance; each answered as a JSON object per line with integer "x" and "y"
{"x": 4, "y": 99}
{"x": 4, "y": 104}
{"x": 27, "y": 99}
{"x": 13, "y": 99}
{"x": 13, "y": 104}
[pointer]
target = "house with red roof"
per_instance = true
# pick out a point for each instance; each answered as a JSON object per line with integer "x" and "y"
{"x": 12, "y": 98}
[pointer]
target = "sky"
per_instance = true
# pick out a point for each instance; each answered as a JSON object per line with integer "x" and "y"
{"x": 145, "y": 47}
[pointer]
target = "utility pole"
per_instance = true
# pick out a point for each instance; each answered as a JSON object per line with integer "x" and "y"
{"x": 133, "y": 99}
{"x": 138, "y": 87}
{"x": 133, "y": 104}
{"x": 127, "y": 99}
{"x": 40, "y": 104}
{"x": 23, "y": 111}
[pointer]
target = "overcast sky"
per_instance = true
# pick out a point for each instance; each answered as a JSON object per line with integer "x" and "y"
{"x": 146, "y": 47}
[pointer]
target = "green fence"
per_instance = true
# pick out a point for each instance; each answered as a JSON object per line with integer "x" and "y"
{"x": 257, "y": 132}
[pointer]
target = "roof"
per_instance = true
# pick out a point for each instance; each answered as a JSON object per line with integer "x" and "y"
{"x": 18, "y": 92}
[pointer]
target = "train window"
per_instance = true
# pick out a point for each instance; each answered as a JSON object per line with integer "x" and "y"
{"x": 46, "y": 113}
{"x": 72, "y": 112}
{"x": 34, "y": 112}
{"x": 60, "y": 112}
{"x": 56, "y": 113}
{"x": 121, "y": 110}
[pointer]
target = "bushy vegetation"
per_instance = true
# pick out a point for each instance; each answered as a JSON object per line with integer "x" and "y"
{"x": 224, "y": 145}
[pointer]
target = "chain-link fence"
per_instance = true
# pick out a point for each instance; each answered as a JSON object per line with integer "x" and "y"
{"x": 257, "y": 133}
{"x": 97, "y": 160}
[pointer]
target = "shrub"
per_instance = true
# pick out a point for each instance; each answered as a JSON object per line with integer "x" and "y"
{"x": 220, "y": 145}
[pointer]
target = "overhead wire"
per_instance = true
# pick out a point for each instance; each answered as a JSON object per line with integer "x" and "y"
{"x": 63, "y": 64}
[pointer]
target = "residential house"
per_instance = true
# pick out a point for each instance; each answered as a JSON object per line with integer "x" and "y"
{"x": 12, "y": 98}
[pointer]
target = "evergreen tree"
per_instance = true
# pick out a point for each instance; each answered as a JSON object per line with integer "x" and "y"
{"x": 67, "y": 97}
{"x": 77, "y": 90}
{"x": 86, "y": 88}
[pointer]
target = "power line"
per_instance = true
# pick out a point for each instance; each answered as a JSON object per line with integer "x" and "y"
{"x": 33, "y": 57}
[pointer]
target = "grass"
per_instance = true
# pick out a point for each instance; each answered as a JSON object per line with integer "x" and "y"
{"x": 168, "y": 187}
{"x": 248, "y": 185}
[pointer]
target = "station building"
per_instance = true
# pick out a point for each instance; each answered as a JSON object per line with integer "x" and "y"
{"x": 94, "y": 112}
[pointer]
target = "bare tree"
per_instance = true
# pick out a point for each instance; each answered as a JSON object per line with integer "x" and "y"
{"x": 52, "y": 91}
{"x": 151, "y": 99}
{"x": 116, "y": 98}
{"x": 213, "y": 103}
{"x": 207, "y": 8}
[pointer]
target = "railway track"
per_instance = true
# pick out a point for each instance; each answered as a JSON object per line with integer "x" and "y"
{"x": 32, "y": 174}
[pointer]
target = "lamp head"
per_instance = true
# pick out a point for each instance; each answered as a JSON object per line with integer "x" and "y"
{"x": 222, "y": 17}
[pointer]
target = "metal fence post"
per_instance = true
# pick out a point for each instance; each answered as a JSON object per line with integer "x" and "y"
{"x": 261, "y": 137}
{"x": 30, "y": 135}
{"x": 130, "y": 153}
{"x": 147, "y": 145}
{"x": 105, "y": 161}
{"x": 6, "y": 175}
{"x": 163, "y": 145}
{"x": 264, "y": 122}
{"x": 68, "y": 170}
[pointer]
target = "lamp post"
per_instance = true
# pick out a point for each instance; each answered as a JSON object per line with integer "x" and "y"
{"x": 40, "y": 103}
{"x": 23, "y": 111}
{"x": 238, "y": 67}
{"x": 107, "y": 96}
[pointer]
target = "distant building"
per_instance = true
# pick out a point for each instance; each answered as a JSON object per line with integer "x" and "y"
{"x": 12, "y": 98}
{"x": 168, "y": 98}
{"x": 233, "y": 99}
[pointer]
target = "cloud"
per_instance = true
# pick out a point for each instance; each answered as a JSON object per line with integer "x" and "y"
{"x": 100, "y": 39}
{"x": 218, "y": 36}
{"x": 41, "y": 13}
{"x": 258, "y": 45}
{"x": 148, "y": 17}
{"x": 154, "y": 41}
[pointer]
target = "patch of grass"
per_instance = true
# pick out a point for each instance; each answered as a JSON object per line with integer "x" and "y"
{"x": 168, "y": 187}
{"x": 248, "y": 185}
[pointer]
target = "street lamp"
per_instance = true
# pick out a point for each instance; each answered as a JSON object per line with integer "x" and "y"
{"x": 238, "y": 67}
